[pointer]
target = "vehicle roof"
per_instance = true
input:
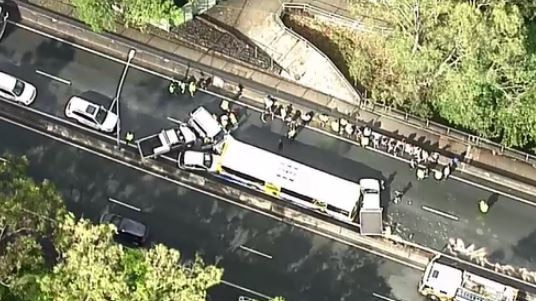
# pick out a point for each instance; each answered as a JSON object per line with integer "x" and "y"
{"x": 193, "y": 157}
{"x": 7, "y": 81}
{"x": 81, "y": 105}
{"x": 444, "y": 278}
{"x": 132, "y": 227}
{"x": 205, "y": 120}
{"x": 371, "y": 200}
{"x": 289, "y": 174}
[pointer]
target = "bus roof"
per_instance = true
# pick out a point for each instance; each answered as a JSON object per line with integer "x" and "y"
{"x": 290, "y": 175}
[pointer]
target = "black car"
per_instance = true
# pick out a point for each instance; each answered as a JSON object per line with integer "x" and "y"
{"x": 3, "y": 18}
{"x": 128, "y": 230}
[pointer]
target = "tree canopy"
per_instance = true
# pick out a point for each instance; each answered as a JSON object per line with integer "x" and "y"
{"x": 471, "y": 63}
{"x": 28, "y": 212}
{"x": 102, "y": 14}
{"x": 47, "y": 254}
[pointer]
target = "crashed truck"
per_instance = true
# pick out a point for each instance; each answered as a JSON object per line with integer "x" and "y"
{"x": 165, "y": 141}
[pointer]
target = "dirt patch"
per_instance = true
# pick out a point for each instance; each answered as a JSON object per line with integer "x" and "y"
{"x": 335, "y": 42}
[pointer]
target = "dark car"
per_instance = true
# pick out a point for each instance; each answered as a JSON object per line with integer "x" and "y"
{"x": 128, "y": 230}
{"x": 3, "y": 18}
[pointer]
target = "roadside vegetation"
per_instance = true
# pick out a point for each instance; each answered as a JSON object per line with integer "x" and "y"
{"x": 48, "y": 254}
{"x": 103, "y": 14}
{"x": 470, "y": 64}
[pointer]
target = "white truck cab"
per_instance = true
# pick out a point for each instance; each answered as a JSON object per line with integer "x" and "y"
{"x": 205, "y": 125}
{"x": 371, "y": 212}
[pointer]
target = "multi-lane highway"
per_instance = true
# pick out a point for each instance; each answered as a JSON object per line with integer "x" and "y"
{"x": 257, "y": 253}
{"x": 429, "y": 214}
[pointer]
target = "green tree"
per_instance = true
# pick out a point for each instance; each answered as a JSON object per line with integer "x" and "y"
{"x": 93, "y": 267}
{"x": 28, "y": 211}
{"x": 98, "y": 14}
{"x": 141, "y": 13}
{"x": 468, "y": 62}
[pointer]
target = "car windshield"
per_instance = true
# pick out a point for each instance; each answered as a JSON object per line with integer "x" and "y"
{"x": 101, "y": 115}
{"x": 19, "y": 87}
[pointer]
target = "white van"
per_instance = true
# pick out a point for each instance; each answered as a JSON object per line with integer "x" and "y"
{"x": 205, "y": 125}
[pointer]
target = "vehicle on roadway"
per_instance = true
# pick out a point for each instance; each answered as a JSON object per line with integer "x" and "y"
{"x": 206, "y": 126}
{"x": 447, "y": 279}
{"x": 167, "y": 140}
{"x": 4, "y": 14}
{"x": 128, "y": 230}
{"x": 16, "y": 90}
{"x": 90, "y": 114}
{"x": 196, "y": 160}
{"x": 311, "y": 188}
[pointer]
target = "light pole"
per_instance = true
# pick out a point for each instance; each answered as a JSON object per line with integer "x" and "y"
{"x": 131, "y": 54}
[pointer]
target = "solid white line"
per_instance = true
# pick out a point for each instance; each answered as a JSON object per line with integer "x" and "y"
{"x": 383, "y": 297}
{"x": 124, "y": 204}
{"x": 245, "y": 289}
{"x": 255, "y": 252}
{"x": 57, "y": 78}
{"x": 439, "y": 212}
{"x": 227, "y": 200}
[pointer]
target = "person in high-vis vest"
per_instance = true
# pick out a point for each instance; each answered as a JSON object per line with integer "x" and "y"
{"x": 483, "y": 206}
{"x": 192, "y": 88}
{"x": 173, "y": 87}
{"x": 129, "y": 137}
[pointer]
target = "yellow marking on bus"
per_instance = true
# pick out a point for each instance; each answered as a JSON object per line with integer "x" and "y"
{"x": 272, "y": 189}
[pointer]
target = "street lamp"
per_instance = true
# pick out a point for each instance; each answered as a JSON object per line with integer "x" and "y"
{"x": 131, "y": 54}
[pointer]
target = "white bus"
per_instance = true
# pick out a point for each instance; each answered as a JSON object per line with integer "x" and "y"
{"x": 289, "y": 180}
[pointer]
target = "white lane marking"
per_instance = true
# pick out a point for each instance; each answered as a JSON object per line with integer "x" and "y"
{"x": 441, "y": 213}
{"x": 92, "y": 51}
{"x": 245, "y": 289}
{"x": 56, "y": 78}
{"x": 124, "y": 204}
{"x": 383, "y": 297}
{"x": 255, "y": 252}
{"x": 228, "y": 200}
{"x": 106, "y": 56}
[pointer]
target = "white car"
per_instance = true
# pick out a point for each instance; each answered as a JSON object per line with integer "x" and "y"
{"x": 16, "y": 90}
{"x": 196, "y": 160}
{"x": 90, "y": 114}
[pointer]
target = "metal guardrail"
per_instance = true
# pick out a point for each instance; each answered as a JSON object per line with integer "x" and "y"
{"x": 389, "y": 112}
{"x": 336, "y": 18}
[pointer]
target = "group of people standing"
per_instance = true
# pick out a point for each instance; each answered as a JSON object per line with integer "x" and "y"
{"x": 192, "y": 83}
{"x": 293, "y": 118}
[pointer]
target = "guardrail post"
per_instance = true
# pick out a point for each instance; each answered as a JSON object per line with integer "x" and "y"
{"x": 427, "y": 123}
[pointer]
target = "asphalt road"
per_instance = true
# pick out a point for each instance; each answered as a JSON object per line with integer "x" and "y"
{"x": 507, "y": 232}
{"x": 302, "y": 266}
